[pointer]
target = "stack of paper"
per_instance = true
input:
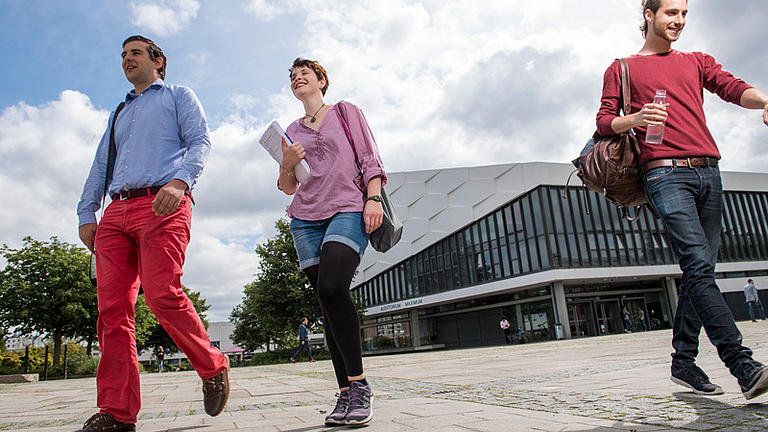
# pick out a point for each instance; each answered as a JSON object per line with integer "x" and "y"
{"x": 272, "y": 141}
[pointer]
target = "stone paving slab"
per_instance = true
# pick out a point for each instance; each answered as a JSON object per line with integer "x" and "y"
{"x": 609, "y": 383}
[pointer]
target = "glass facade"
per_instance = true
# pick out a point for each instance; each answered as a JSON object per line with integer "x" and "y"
{"x": 540, "y": 231}
{"x": 475, "y": 321}
{"x": 387, "y": 332}
{"x": 596, "y": 309}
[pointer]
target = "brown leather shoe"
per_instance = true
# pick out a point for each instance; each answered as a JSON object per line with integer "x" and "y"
{"x": 104, "y": 422}
{"x": 216, "y": 392}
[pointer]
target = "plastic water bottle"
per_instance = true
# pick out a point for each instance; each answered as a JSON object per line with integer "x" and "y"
{"x": 654, "y": 134}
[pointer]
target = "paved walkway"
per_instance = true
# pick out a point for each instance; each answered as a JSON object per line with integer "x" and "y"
{"x": 618, "y": 382}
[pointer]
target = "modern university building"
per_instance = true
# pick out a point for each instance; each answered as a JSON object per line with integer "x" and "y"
{"x": 484, "y": 242}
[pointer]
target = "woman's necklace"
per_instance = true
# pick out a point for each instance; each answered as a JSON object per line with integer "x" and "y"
{"x": 314, "y": 116}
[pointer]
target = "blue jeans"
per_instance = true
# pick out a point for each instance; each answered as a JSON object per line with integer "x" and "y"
{"x": 303, "y": 344}
{"x": 752, "y": 305}
{"x": 310, "y": 236}
{"x": 689, "y": 202}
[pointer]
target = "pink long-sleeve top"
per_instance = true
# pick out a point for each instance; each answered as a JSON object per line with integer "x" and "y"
{"x": 684, "y": 75}
{"x": 330, "y": 187}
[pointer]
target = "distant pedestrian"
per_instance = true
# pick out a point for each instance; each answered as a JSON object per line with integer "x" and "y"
{"x": 750, "y": 295}
{"x": 160, "y": 357}
{"x": 504, "y": 324}
{"x": 627, "y": 320}
{"x": 641, "y": 317}
{"x": 303, "y": 342}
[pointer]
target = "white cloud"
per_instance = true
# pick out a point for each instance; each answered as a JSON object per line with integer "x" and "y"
{"x": 47, "y": 150}
{"x": 165, "y": 17}
{"x": 45, "y": 154}
{"x": 267, "y": 10}
{"x": 506, "y": 82}
{"x": 442, "y": 82}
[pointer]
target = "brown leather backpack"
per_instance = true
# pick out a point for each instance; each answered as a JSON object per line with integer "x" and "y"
{"x": 609, "y": 164}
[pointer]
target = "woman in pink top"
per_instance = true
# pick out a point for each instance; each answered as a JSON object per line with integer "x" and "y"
{"x": 331, "y": 221}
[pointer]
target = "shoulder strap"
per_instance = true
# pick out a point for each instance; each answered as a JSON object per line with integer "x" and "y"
{"x": 626, "y": 93}
{"x": 112, "y": 155}
{"x": 626, "y": 96}
{"x": 345, "y": 125}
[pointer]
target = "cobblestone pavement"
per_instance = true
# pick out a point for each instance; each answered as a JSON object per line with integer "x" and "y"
{"x": 609, "y": 383}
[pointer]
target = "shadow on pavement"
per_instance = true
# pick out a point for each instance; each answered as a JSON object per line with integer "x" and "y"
{"x": 752, "y": 416}
{"x": 182, "y": 429}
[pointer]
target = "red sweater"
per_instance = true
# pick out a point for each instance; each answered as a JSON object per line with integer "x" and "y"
{"x": 684, "y": 76}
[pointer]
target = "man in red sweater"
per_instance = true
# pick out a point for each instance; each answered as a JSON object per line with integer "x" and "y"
{"x": 682, "y": 180}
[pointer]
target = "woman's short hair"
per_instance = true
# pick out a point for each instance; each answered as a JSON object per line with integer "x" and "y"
{"x": 315, "y": 66}
{"x": 654, "y": 6}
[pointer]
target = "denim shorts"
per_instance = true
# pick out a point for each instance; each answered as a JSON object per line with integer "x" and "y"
{"x": 310, "y": 236}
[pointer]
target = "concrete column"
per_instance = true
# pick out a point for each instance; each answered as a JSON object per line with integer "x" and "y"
{"x": 415, "y": 330}
{"x": 561, "y": 309}
{"x": 671, "y": 288}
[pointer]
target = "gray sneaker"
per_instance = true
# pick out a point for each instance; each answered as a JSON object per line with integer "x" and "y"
{"x": 360, "y": 410}
{"x": 340, "y": 411}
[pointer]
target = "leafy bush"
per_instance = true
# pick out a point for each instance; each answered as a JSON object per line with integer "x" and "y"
{"x": 79, "y": 363}
{"x": 12, "y": 362}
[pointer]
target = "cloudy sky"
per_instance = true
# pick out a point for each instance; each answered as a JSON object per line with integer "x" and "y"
{"x": 443, "y": 83}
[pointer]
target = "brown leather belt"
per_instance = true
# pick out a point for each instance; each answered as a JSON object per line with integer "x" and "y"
{"x": 141, "y": 192}
{"x": 691, "y": 162}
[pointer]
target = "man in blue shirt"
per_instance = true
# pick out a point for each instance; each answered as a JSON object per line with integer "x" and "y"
{"x": 161, "y": 145}
{"x": 303, "y": 342}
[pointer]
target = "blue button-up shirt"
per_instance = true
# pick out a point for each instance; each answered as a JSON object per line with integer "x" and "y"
{"x": 161, "y": 134}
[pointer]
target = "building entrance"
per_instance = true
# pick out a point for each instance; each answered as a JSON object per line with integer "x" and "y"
{"x": 581, "y": 317}
{"x": 608, "y": 316}
{"x": 638, "y": 312}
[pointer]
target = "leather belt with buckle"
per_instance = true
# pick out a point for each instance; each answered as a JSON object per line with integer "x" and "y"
{"x": 141, "y": 192}
{"x": 691, "y": 162}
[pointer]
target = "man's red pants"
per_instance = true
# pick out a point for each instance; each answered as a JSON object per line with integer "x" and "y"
{"x": 132, "y": 245}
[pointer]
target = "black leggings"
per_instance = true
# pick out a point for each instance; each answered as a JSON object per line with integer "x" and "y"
{"x": 331, "y": 280}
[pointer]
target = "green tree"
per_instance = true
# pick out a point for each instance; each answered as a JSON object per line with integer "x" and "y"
{"x": 150, "y": 334}
{"x": 274, "y": 303}
{"x": 44, "y": 288}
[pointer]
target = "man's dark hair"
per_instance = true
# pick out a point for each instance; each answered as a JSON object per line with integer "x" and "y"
{"x": 654, "y": 6}
{"x": 153, "y": 50}
{"x": 315, "y": 66}
{"x": 749, "y": 281}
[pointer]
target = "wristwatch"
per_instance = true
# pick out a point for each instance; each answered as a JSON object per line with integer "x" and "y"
{"x": 376, "y": 198}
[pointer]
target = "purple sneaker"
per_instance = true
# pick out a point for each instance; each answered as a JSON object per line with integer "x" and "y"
{"x": 340, "y": 411}
{"x": 360, "y": 410}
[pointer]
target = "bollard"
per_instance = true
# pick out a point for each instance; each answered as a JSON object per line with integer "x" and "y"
{"x": 65, "y": 361}
{"x": 26, "y": 360}
{"x": 45, "y": 365}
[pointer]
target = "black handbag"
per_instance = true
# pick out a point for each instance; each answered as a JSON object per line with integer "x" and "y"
{"x": 111, "y": 155}
{"x": 391, "y": 229}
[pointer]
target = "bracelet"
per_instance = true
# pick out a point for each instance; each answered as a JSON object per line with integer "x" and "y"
{"x": 290, "y": 173}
